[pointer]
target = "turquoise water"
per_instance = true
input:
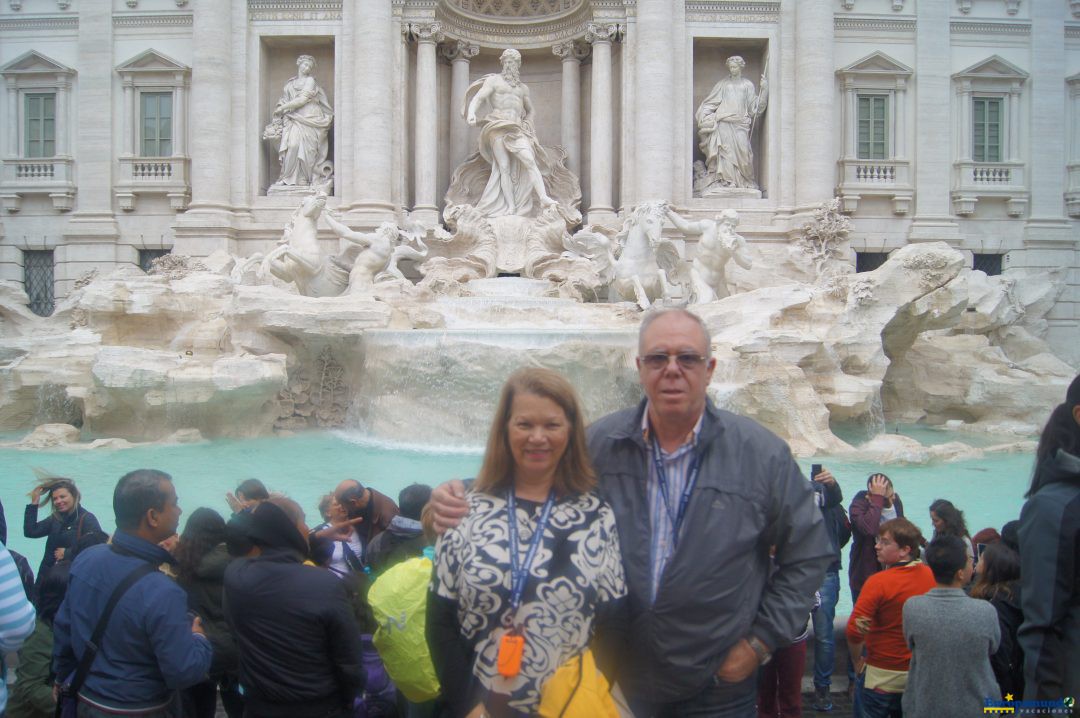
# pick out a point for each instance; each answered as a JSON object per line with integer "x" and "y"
{"x": 989, "y": 491}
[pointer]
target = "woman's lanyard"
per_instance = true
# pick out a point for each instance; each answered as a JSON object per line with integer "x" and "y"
{"x": 684, "y": 500}
{"x": 519, "y": 574}
{"x": 512, "y": 643}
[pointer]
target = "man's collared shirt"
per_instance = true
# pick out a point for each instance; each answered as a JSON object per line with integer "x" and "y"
{"x": 677, "y": 465}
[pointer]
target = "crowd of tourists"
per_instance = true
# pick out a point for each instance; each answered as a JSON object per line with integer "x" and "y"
{"x": 670, "y": 559}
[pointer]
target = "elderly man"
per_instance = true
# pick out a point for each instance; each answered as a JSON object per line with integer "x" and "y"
{"x": 700, "y": 495}
{"x": 374, "y": 510}
{"x": 152, "y": 648}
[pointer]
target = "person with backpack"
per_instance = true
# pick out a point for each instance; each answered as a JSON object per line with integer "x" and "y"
{"x": 830, "y": 500}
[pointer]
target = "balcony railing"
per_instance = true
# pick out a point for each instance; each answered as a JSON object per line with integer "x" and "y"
{"x": 974, "y": 181}
{"x": 154, "y": 175}
{"x": 882, "y": 178}
{"x": 54, "y": 176}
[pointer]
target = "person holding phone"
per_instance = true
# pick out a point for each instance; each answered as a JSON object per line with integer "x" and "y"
{"x": 830, "y": 500}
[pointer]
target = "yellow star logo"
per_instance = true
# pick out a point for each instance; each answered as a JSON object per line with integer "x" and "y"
{"x": 1008, "y": 697}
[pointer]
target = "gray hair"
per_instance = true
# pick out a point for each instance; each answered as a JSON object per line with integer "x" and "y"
{"x": 655, "y": 314}
{"x": 510, "y": 54}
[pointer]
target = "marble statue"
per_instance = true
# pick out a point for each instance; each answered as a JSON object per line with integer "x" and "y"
{"x": 297, "y": 258}
{"x": 648, "y": 268}
{"x": 373, "y": 257}
{"x": 512, "y": 174}
{"x": 719, "y": 242}
{"x": 725, "y": 122}
{"x": 301, "y": 124}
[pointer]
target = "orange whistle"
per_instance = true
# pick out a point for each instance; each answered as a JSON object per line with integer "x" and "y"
{"x": 511, "y": 648}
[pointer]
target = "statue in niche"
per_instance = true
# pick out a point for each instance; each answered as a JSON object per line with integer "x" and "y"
{"x": 512, "y": 174}
{"x": 725, "y": 122}
{"x": 719, "y": 243}
{"x": 300, "y": 124}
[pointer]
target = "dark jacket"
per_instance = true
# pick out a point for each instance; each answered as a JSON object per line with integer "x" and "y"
{"x": 31, "y": 696}
{"x": 378, "y": 515}
{"x": 402, "y": 540}
{"x": 865, "y": 516}
{"x": 750, "y": 495}
{"x": 298, "y": 639}
{"x": 204, "y": 598}
{"x": 63, "y": 532}
{"x": 1008, "y": 661}
{"x": 829, "y": 497}
{"x": 1050, "y": 581}
{"x": 149, "y": 649}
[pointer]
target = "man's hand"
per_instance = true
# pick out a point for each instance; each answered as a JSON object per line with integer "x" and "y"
{"x": 58, "y": 554}
{"x": 825, "y": 477}
{"x": 448, "y": 505}
{"x": 169, "y": 544}
{"x": 879, "y": 485}
{"x": 196, "y": 626}
{"x": 56, "y": 692}
{"x": 739, "y": 663}
{"x": 233, "y": 502}
{"x": 342, "y": 531}
{"x": 471, "y": 119}
{"x": 859, "y": 663}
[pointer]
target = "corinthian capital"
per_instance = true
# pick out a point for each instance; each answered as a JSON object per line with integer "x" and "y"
{"x": 460, "y": 50}
{"x": 571, "y": 49}
{"x": 426, "y": 31}
{"x": 603, "y": 32}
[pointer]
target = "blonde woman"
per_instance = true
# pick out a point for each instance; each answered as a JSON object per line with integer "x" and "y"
{"x": 523, "y": 582}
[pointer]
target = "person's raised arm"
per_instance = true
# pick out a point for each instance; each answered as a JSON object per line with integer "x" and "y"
{"x": 685, "y": 226}
{"x": 342, "y": 231}
{"x": 32, "y": 528}
{"x": 448, "y": 505}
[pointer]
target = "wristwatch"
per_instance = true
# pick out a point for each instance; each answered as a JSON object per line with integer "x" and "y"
{"x": 762, "y": 651}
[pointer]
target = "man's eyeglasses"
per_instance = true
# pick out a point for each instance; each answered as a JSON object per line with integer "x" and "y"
{"x": 656, "y": 362}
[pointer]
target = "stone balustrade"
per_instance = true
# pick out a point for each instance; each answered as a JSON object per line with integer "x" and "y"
{"x": 973, "y": 181}
{"x": 170, "y": 176}
{"x": 885, "y": 178}
{"x": 54, "y": 176}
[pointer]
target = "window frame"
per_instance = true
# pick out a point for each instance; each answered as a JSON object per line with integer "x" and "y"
{"x": 1001, "y": 100}
{"x": 886, "y": 144}
{"x": 143, "y": 94}
{"x": 34, "y": 303}
{"x": 44, "y": 138}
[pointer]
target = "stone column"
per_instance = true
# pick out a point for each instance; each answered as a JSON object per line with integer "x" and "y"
{"x": 180, "y": 118}
{"x": 131, "y": 143}
{"x": 933, "y": 221}
{"x": 459, "y": 54}
{"x": 1014, "y": 123}
{"x": 600, "y": 129}
{"x": 654, "y": 93}
{"x": 13, "y": 118}
{"x": 900, "y": 101}
{"x": 571, "y": 53}
{"x": 963, "y": 133}
{"x": 63, "y": 106}
{"x": 815, "y": 104}
{"x": 851, "y": 101}
{"x": 372, "y": 120}
{"x": 425, "y": 142}
{"x": 207, "y": 224}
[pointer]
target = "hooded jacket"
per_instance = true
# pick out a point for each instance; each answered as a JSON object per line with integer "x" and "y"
{"x": 293, "y": 624}
{"x": 1050, "y": 581}
{"x": 204, "y": 592}
{"x": 865, "y": 516}
{"x": 716, "y": 588}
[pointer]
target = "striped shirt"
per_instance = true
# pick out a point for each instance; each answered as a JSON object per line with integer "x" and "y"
{"x": 677, "y": 472}
{"x": 16, "y": 613}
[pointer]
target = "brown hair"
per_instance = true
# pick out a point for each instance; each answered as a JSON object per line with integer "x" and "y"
{"x": 574, "y": 474}
{"x": 52, "y": 483}
{"x": 999, "y": 572}
{"x": 904, "y": 533}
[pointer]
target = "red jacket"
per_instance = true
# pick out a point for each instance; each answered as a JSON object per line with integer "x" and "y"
{"x": 878, "y": 615}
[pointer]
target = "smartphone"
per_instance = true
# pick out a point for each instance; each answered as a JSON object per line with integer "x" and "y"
{"x": 815, "y": 469}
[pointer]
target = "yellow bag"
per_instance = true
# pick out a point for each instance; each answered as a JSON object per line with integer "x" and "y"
{"x": 577, "y": 690}
{"x": 398, "y": 600}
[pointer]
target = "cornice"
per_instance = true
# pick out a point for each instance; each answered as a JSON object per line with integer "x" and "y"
{"x": 732, "y": 12}
{"x": 153, "y": 20}
{"x": 519, "y": 33}
{"x": 66, "y": 22}
{"x": 873, "y": 24}
{"x": 293, "y": 10}
{"x": 965, "y": 27}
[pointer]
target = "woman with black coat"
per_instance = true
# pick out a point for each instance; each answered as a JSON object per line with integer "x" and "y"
{"x": 67, "y": 523}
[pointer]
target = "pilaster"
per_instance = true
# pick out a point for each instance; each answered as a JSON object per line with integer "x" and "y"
{"x": 815, "y": 159}
{"x": 459, "y": 53}
{"x": 654, "y": 141}
{"x": 571, "y": 53}
{"x": 425, "y": 142}
{"x": 601, "y": 135}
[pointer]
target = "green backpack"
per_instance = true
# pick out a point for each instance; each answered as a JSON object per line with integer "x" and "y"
{"x": 398, "y": 600}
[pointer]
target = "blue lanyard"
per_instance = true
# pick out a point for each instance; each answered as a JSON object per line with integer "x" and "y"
{"x": 684, "y": 500}
{"x": 519, "y": 574}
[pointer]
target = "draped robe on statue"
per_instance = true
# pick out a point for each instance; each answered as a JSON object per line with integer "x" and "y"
{"x": 724, "y": 120}
{"x": 304, "y": 145}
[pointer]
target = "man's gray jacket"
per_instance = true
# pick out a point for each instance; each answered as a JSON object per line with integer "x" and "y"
{"x": 716, "y": 588}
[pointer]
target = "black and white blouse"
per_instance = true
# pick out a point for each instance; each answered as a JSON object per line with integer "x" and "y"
{"x": 577, "y": 569}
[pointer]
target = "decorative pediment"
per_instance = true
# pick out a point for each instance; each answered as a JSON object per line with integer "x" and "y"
{"x": 993, "y": 68}
{"x": 34, "y": 63}
{"x": 876, "y": 63}
{"x": 151, "y": 61}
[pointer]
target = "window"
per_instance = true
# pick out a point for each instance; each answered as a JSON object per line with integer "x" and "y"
{"x": 869, "y": 261}
{"x": 873, "y": 122}
{"x": 989, "y": 263}
{"x": 147, "y": 257}
{"x": 40, "y": 114}
{"x": 986, "y": 130}
{"x": 38, "y": 280}
{"x": 156, "y": 115}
